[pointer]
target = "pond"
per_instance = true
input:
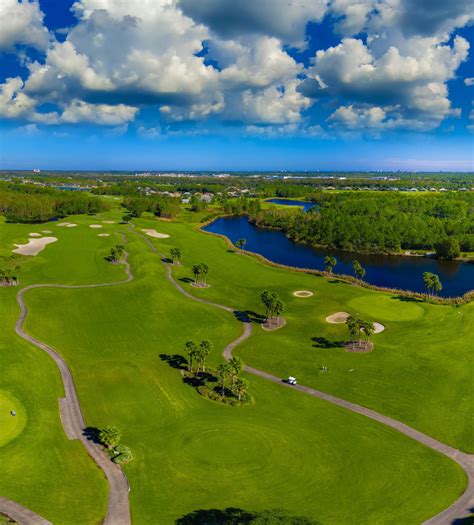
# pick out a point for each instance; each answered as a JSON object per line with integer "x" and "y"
{"x": 400, "y": 272}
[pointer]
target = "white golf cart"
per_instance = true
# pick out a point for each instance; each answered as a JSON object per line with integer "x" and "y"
{"x": 291, "y": 380}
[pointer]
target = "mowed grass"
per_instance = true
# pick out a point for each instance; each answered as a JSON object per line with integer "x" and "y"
{"x": 40, "y": 467}
{"x": 286, "y": 450}
{"x": 420, "y": 371}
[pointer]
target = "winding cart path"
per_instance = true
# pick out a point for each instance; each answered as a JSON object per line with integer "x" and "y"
{"x": 118, "y": 507}
{"x": 459, "y": 510}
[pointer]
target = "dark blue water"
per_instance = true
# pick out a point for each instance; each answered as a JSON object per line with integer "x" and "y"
{"x": 289, "y": 202}
{"x": 404, "y": 273}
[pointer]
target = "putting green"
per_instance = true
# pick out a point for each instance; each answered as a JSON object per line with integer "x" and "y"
{"x": 10, "y": 426}
{"x": 383, "y": 307}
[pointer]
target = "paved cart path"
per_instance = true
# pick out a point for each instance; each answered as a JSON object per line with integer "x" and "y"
{"x": 118, "y": 507}
{"x": 461, "y": 508}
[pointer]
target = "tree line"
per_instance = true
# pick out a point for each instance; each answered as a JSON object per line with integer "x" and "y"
{"x": 166, "y": 207}
{"x": 380, "y": 223}
{"x": 22, "y": 203}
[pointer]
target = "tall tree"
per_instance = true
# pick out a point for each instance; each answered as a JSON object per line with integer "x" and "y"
{"x": 352, "y": 323}
{"x": 197, "y": 273}
{"x": 175, "y": 254}
{"x": 330, "y": 262}
{"x": 432, "y": 282}
{"x": 223, "y": 372}
{"x": 240, "y": 243}
{"x": 241, "y": 387}
{"x": 205, "y": 348}
{"x": 236, "y": 365}
{"x": 358, "y": 270}
{"x": 190, "y": 348}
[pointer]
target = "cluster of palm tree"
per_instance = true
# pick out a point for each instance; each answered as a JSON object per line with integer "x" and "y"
{"x": 358, "y": 270}
{"x": 197, "y": 355}
{"x": 240, "y": 244}
{"x": 200, "y": 272}
{"x": 329, "y": 263}
{"x": 116, "y": 253}
{"x": 274, "y": 306}
{"x": 432, "y": 283}
{"x": 175, "y": 254}
{"x": 9, "y": 276}
{"x": 357, "y": 327}
{"x": 229, "y": 374}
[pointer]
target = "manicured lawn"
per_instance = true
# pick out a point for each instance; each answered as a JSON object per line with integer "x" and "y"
{"x": 420, "y": 371}
{"x": 286, "y": 450}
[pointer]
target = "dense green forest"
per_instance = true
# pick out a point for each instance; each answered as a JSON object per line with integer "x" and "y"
{"x": 29, "y": 203}
{"x": 378, "y": 222}
{"x": 166, "y": 207}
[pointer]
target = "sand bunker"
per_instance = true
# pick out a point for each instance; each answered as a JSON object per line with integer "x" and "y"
{"x": 378, "y": 328}
{"x": 34, "y": 246}
{"x": 71, "y": 225}
{"x": 95, "y": 226}
{"x": 35, "y": 234}
{"x": 337, "y": 318}
{"x": 340, "y": 317}
{"x": 46, "y": 231}
{"x": 62, "y": 224}
{"x": 303, "y": 293}
{"x": 108, "y": 222}
{"x": 103, "y": 235}
{"x": 154, "y": 233}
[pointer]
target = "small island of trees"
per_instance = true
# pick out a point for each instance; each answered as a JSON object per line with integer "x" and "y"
{"x": 223, "y": 384}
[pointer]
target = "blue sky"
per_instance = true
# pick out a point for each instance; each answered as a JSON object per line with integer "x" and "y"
{"x": 237, "y": 85}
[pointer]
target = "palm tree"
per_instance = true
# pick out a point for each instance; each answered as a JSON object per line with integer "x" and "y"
{"x": 205, "y": 348}
{"x": 241, "y": 243}
{"x": 432, "y": 282}
{"x": 241, "y": 387}
{"x": 330, "y": 262}
{"x": 368, "y": 329}
{"x": 223, "y": 371}
{"x": 197, "y": 273}
{"x": 175, "y": 255}
{"x": 352, "y": 323}
{"x": 278, "y": 308}
{"x": 190, "y": 348}
{"x": 204, "y": 272}
{"x": 358, "y": 270}
{"x": 236, "y": 365}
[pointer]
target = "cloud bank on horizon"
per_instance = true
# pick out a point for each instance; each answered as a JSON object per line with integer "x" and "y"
{"x": 268, "y": 68}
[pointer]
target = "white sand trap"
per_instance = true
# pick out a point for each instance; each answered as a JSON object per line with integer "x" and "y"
{"x": 154, "y": 233}
{"x": 71, "y": 225}
{"x": 34, "y": 246}
{"x": 62, "y": 224}
{"x": 108, "y": 222}
{"x": 95, "y": 226}
{"x": 46, "y": 231}
{"x": 303, "y": 293}
{"x": 337, "y": 318}
{"x": 378, "y": 328}
{"x": 34, "y": 234}
{"x": 103, "y": 235}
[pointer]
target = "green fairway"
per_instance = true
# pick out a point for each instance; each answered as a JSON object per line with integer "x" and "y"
{"x": 184, "y": 446}
{"x": 12, "y": 417}
{"x": 420, "y": 371}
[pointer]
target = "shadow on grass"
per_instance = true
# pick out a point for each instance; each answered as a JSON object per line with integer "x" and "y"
{"x": 322, "y": 342}
{"x": 167, "y": 260}
{"x": 468, "y": 520}
{"x": 247, "y": 316}
{"x": 199, "y": 379}
{"x": 235, "y": 516}
{"x": 175, "y": 361}
{"x": 407, "y": 299}
{"x": 92, "y": 434}
{"x": 186, "y": 280}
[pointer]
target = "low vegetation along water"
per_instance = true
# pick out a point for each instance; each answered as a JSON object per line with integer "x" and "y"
{"x": 403, "y": 272}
